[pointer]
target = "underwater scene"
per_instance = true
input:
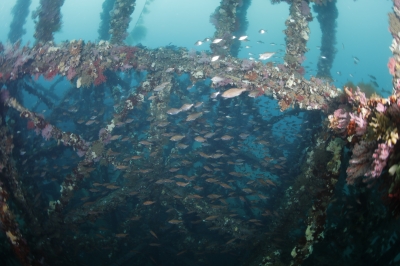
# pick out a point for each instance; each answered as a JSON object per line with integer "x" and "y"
{"x": 176, "y": 132}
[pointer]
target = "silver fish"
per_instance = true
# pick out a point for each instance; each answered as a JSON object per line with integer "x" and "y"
{"x": 186, "y": 107}
{"x": 173, "y": 111}
{"x": 161, "y": 86}
{"x": 217, "y": 79}
{"x": 265, "y": 56}
{"x": 194, "y": 116}
{"x": 176, "y": 138}
{"x": 214, "y": 95}
{"x": 214, "y": 58}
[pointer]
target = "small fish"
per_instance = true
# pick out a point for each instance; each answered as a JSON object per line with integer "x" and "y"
{"x": 210, "y": 218}
{"x": 216, "y": 155}
{"x": 234, "y": 92}
{"x": 214, "y": 58}
{"x": 265, "y": 56}
{"x": 214, "y": 94}
{"x": 272, "y": 43}
{"x": 206, "y": 40}
{"x": 174, "y": 221}
{"x": 173, "y": 111}
{"x": 247, "y": 190}
{"x": 149, "y": 202}
{"x": 262, "y": 31}
{"x": 209, "y": 135}
{"x": 115, "y": 137}
{"x": 198, "y": 104}
{"x": 193, "y": 116}
{"x": 198, "y": 43}
{"x": 145, "y": 143}
{"x": 243, "y": 136}
{"x": 242, "y": 38}
{"x": 153, "y": 234}
{"x": 323, "y": 57}
{"x": 200, "y": 139}
{"x": 163, "y": 124}
{"x": 182, "y": 146}
{"x": 217, "y": 41}
{"x": 182, "y": 184}
{"x": 225, "y": 185}
{"x": 260, "y": 42}
{"x": 182, "y": 252}
{"x": 112, "y": 187}
{"x": 121, "y": 167}
{"x": 176, "y": 138}
{"x": 217, "y": 79}
{"x": 195, "y": 196}
{"x": 226, "y": 137}
{"x": 186, "y": 107}
{"x": 230, "y": 241}
{"x": 161, "y": 86}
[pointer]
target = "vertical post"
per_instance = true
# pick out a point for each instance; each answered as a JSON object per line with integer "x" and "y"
{"x": 297, "y": 34}
{"x": 105, "y": 18}
{"x": 327, "y": 15}
{"x": 49, "y": 19}
{"x": 120, "y": 18}
{"x": 225, "y": 21}
{"x": 20, "y": 12}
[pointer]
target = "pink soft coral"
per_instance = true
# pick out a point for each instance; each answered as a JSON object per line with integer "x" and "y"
{"x": 381, "y": 155}
{"x": 339, "y": 120}
{"x": 361, "y": 124}
{"x": 46, "y": 132}
{"x": 392, "y": 66}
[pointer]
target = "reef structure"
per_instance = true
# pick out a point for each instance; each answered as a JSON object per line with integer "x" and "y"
{"x": 90, "y": 66}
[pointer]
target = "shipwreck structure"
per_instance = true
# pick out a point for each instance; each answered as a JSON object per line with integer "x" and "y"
{"x": 99, "y": 193}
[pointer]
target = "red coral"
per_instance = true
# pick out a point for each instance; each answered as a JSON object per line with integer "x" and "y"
{"x": 30, "y": 125}
{"x": 351, "y": 128}
{"x": 51, "y": 73}
{"x": 100, "y": 77}
{"x": 300, "y": 97}
{"x": 301, "y": 71}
